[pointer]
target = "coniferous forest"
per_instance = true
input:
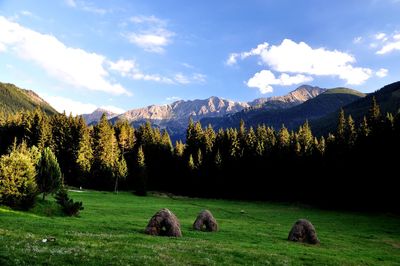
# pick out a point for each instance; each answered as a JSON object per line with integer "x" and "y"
{"x": 352, "y": 168}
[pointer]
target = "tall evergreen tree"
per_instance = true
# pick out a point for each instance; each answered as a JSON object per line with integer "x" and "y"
{"x": 49, "y": 173}
{"x": 142, "y": 173}
{"x": 341, "y": 128}
{"x": 106, "y": 153}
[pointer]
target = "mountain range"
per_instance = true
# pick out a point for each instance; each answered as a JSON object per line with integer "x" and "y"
{"x": 317, "y": 105}
{"x": 174, "y": 117}
{"x": 323, "y": 104}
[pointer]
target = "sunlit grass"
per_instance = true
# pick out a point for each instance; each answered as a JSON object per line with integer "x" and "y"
{"x": 110, "y": 232}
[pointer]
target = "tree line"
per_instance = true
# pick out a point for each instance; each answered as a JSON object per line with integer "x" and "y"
{"x": 349, "y": 168}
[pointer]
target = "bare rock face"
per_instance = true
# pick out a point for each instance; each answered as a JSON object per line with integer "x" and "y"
{"x": 303, "y": 231}
{"x": 164, "y": 223}
{"x": 205, "y": 222}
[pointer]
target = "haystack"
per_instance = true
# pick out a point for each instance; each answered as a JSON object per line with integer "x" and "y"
{"x": 164, "y": 223}
{"x": 303, "y": 231}
{"x": 205, "y": 222}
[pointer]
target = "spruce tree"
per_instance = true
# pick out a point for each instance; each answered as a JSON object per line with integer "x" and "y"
{"x": 351, "y": 133}
{"x": 374, "y": 112}
{"x": 341, "y": 128}
{"x": 49, "y": 173}
{"x": 120, "y": 172}
{"x": 191, "y": 164}
{"x": 179, "y": 149}
{"x": 141, "y": 173}
{"x": 218, "y": 160}
{"x": 106, "y": 153}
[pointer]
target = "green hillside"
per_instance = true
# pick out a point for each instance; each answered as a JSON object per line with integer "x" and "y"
{"x": 13, "y": 99}
{"x": 292, "y": 118}
{"x": 110, "y": 232}
{"x": 388, "y": 99}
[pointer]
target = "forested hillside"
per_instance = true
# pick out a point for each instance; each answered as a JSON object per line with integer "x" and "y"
{"x": 14, "y": 99}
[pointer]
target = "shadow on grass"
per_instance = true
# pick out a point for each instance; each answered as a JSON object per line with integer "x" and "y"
{"x": 47, "y": 208}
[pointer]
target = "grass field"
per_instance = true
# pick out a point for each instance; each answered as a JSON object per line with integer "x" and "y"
{"x": 110, "y": 232}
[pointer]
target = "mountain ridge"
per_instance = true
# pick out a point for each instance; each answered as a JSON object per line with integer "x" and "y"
{"x": 323, "y": 104}
{"x": 14, "y": 99}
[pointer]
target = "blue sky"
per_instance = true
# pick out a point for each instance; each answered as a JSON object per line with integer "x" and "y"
{"x": 124, "y": 54}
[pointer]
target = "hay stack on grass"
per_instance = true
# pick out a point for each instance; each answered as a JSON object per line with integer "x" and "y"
{"x": 303, "y": 231}
{"x": 164, "y": 223}
{"x": 205, "y": 222}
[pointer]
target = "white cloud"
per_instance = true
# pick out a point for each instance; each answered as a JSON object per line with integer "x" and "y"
{"x": 300, "y": 58}
{"x": 123, "y": 66}
{"x": 151, "y": 33}
{"x": 62, "y": 104}
{"x": 3, "y": 47}
{"x": 113, "y": 109}
{"x": 187, "y": 65}
{"x": 199, "y": 77}
{"x": 232, "y": 59}
{"x": 26, "y": 13}
{"x": 357, "y": 40}
{"x": 380, "y": 36}
{"x": 151, "y": 77}
{"x": 387, "y": 42}
{"x": 390, "y": 47}
{"x": 265, "y": 78}
{"x": 182, "y": 79}
{"x": 151, "y": 42}
{"x": 129, "y": 68}
{"x": 86, "y": 6}
{"x": 382, "y": 72}
{"x": 173, "y": 99}
{"x": 72, "y": 66}
{"x": 147, "y": 19}
{"x": 70, "y": 3}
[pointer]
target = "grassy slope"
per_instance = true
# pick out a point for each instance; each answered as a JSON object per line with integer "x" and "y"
{"x": 110, "y": 228}
{"x": 13, "y": 99}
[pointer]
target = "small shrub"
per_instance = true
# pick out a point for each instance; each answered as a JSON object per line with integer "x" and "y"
{"x": 69, "y": 207}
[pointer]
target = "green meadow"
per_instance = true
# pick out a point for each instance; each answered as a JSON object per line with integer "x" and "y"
{"x": 110, "y": 229}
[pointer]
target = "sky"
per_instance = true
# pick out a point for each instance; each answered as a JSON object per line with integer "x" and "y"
{"x": 123, "y": 54}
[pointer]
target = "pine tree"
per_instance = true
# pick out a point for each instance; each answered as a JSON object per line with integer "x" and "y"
{"x": 166, "y": 142}
{"x": 364, "y": 128}
{"x": 191, "y": 164}
{"x": 142, "y": 173}
{"x": 125, "y": 135}
{"x": 218, "y": 160}
{"x": 341, "y": 128}
{"x": 120, "y": 172}
{"x": 49, "y": 173}
{"x": 283, "y": 138}
{"x": 251, "y": 143}
{"x": 374, "y": 112}
{"x": 199, "y": 161}
{"x": 351, "y": 133}
{"x": 306, "y": 138}
{"x": 106, "y": 152}
{"x": 321, "y": 146}
{"x": 209, "y": 139}
{"x": 179, "y": 149}
{"x": 84, "y": 157}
